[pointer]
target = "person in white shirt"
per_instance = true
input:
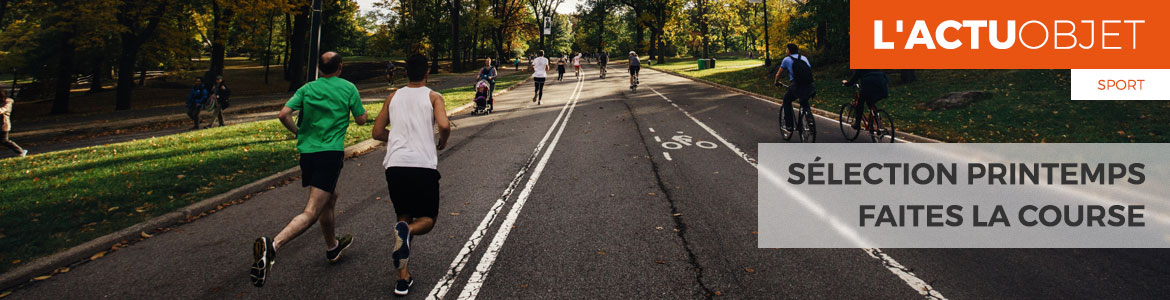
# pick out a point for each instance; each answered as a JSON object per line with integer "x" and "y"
{"x": 412, "y": 160}
{"x": 577, "y": 64}
{"x": 539, "y": 73}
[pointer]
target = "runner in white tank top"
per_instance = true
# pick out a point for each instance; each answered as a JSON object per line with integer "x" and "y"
{"x": 412, "y": 178}
{"x": 411, "y": 141}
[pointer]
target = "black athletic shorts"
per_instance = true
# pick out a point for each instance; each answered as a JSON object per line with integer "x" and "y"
{"x": 635, "y": 69}
{"x": 414, "y": 191}
{"x": 321, "y": 169}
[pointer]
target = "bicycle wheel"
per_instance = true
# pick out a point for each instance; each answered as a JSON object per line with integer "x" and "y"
{"x": 847, "y": 117}
{"x": 883, "y": 131}
{"x": 808, "y": 134}
{"x": 784, "y": 131}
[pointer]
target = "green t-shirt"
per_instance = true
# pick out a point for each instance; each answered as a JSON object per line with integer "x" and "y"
{"x": 325, "y": 106}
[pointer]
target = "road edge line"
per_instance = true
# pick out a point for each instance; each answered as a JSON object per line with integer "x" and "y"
{"x": 903, "y": 135}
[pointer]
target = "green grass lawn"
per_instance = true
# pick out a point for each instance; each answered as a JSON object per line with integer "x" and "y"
{"x": 56, "y": 200}
{"x": 1027, "y": 106}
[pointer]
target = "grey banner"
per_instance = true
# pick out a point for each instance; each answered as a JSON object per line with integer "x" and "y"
{"x": 964, "y": 196}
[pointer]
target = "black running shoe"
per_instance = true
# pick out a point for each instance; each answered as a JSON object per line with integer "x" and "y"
{"x": 403, "y": 287}
{"x": 342, "y": 243}
{"x": 265, "y": 256}
{"x": 401, "y": 245}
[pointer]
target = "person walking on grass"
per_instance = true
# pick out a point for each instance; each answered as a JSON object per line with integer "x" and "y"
{"x": 325, "y": 105}
{"x": 539, "y": 73}
{"x": 411, "y": 161}
{"x": 6, "y": 125}
{"x": 219, "y": 100}
{"x": 196, "y": 100}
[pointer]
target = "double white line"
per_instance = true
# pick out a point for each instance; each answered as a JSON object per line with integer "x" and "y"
{"x": 475, "y": 281}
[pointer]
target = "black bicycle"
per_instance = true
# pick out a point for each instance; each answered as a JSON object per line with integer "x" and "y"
{"x": 806, "y": 123}
{"x": 877, "y": 122}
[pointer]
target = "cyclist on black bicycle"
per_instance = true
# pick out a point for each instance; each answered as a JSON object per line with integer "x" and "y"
{"x": 875, "y": 86}
{"x": 801, "y": 86}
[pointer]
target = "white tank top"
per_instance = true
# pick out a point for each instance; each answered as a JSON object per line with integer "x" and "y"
{"x": 412, "y": 135}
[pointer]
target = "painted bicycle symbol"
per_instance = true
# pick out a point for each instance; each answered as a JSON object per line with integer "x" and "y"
{"x": 682, "y": 140}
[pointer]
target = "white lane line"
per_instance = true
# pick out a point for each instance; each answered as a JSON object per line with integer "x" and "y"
{"x": 476, "y": 280}
{"x": 916, "y": 283}
{"x": 445, "y": 283}
{"x": 651, "y": 129}
{"x": 667, "y": 155}
{"x": 657, "y": 139}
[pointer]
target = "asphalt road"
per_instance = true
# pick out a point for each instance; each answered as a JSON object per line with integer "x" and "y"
{"x": 578, "y": 198}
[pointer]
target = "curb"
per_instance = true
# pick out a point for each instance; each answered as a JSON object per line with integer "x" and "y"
{"x": 909, "y": 137}
{"x": 81, "y": 253}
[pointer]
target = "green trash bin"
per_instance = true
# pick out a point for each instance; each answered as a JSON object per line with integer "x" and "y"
{"x": 702, "y": 64}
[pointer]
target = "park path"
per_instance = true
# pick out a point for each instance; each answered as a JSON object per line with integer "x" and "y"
{"x": 115, "y": 127}
{"x": 576, "y": 198}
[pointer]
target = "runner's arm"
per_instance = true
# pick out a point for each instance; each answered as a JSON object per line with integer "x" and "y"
{"x": 440, "y": 108}
{"x": 382, "y": 121}
{"x": 285, "y": 116}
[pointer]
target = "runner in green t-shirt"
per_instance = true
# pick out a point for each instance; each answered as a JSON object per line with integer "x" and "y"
{"x": 325, "y": 106}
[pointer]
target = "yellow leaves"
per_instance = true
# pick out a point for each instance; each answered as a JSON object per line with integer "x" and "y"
{"x": 15, "y": 261}
{"x": 5, "y": 294}
{"x": 97, "y": 255}
{"x": 180, "y": 176}
{"x": 145, "y": 235}
{"x": 453, "y": 214}
{"x": 112, "y": 209}
{"x": 39, "y": 278}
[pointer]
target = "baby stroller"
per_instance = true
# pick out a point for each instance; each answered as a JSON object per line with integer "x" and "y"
{"x": 483, "y": 101}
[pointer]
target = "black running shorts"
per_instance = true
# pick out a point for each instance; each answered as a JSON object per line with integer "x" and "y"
{"x": 321, "y": 169}
{"x": 414, "y": 191}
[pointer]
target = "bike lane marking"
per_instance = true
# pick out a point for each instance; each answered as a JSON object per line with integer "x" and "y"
{"x": 453, "y": 271}
{"x": 902, "y": 272}
{"x": 476, "y": 280}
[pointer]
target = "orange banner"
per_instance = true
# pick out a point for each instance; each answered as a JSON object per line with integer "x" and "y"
{"x": 1015, "y": 34}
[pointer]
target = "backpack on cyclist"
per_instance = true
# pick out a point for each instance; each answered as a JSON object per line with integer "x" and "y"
{"x": 801, "y": 72}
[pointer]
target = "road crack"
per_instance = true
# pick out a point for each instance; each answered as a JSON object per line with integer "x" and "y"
{"x": 676, "y": 215}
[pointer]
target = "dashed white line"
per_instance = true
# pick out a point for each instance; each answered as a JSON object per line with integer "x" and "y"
{"x": 651, "y": 129}
{"x": 476, "y": 280}
{"x": 912, "y": 280}
{"x": 657, "y": 139}
{"x": 473, "y": 242}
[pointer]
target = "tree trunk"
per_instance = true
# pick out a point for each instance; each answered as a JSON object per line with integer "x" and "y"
{"x": 126, "y": 61}
{"x": 456, "y": 52}
{"x": 297, "y": 58}
{"x": 64, "y": 81}
{"x": 908, "y": 76}
{"x": 219, "y": 36}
